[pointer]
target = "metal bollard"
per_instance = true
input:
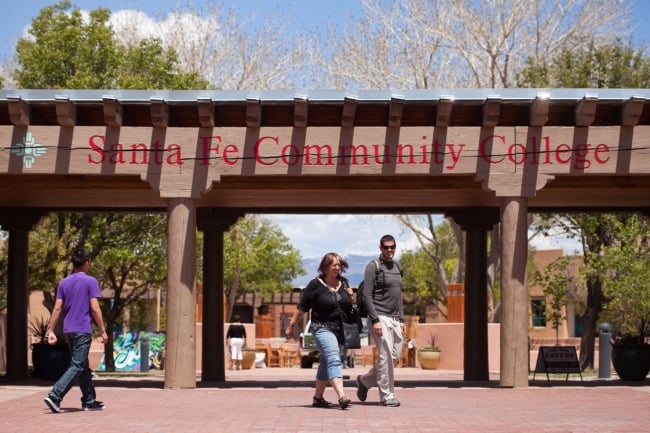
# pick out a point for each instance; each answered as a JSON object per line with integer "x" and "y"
{"x": 144, "y": 353}
{"x": 604, "y": 351}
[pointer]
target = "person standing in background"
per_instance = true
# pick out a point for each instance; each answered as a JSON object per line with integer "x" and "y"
{"x": 77, "y": 299}
{"x": 382, "y": 289}
{"x": 236, "y": 339}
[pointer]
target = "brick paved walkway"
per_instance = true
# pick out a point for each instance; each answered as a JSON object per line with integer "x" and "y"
{"x": 279, "y": 400}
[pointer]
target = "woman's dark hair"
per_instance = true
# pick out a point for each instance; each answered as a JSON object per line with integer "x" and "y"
{"x": 328, "y": 259}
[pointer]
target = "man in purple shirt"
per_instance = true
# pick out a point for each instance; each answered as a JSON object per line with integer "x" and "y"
{"x": 76, "y": 299}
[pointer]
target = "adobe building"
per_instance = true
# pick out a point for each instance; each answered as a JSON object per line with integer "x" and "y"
{"x": 205, "y": 158}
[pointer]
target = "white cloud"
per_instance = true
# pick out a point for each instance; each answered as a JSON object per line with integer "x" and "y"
{"x": 315, "y": 235}
{"x": 570, "y": 246}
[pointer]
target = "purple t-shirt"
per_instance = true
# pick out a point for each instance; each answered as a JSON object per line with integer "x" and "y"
{"x": 76, "y": 290}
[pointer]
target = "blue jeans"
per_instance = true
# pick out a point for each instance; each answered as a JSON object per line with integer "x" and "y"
{"x": 329, "y": 365}
{"x": 79, "y": 345}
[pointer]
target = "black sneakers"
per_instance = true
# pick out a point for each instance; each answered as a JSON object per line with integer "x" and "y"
{"x": 96, "y": 405}
{"x": 362, "y": 390}
{"x": 321, "y": 402}
{"x": 52, "y": 404}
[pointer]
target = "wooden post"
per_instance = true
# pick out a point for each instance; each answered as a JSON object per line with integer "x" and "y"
{"x": 180, "y": 358}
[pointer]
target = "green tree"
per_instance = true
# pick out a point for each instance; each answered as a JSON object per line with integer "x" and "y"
{"x": 627, "y": 287}
{"x": 68, "y": 51}
{"x": 607, "y": 67}
{"x": 616, "y": 65}
{"x": 560, "y": 281}
{"x": 432, "y": 266}
{"x": 258, "y": 258}
{"x": 128, "y": 258}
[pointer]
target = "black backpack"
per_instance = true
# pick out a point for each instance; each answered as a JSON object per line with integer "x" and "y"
{"x": 379, "y": 282}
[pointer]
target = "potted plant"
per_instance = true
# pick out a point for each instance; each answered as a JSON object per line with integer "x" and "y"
{"x": 429, "y": 354}
{"x": 49, "y": 361}
{"x": 626, "y": 291}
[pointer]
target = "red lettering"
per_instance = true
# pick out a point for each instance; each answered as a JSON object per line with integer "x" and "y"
{"x": 144, "y": 151}
{"x": 290, "y": 155}
{"x": 563, "y": 148}
{"x": 99, "y": 150}
{"x": 227, "y": 151}
{"x": 268, "y": 151}
{"x": 174, "y": 156}
{"x": 517, "y": 149}
{"x": 256, "y": 150}
{"x": 483, "y": 149}
{"x": 379, "y": 158}
{"x": 318, "y": 154}
{"x": 157, "y": 150}
{"x": 117, "y": 156}
{"x": 597, "y": 151}
{"x": 410, "y": 157}
{"x": 206, "y": 149}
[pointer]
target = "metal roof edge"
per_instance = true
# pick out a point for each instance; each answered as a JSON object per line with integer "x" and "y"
{"x": 319, "y": 95}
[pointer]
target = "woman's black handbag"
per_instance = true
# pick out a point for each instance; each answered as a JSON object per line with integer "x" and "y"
{"x": 351, "y": 336}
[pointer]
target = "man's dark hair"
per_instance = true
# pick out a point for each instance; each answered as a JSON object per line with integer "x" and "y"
{"x": 79, "y": 257}
{"x": 387, "y": 238}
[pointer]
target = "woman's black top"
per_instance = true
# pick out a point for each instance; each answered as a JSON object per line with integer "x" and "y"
{"x": 322, "y": 301}
{"x": 236, "y": 331}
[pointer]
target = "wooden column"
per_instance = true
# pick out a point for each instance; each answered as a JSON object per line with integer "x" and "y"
{"x": 213, "y": 223}
{"x": 180, "y": 349}
{"x": 18, "y": 226}
{"x": 476, "y": 223}
{"x": 514, "y": 294}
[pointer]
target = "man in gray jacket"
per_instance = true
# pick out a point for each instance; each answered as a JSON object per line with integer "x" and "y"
{"x": 383, "y": 294}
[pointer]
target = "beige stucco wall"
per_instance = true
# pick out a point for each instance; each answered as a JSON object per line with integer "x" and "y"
{"x": 450, "y": 337}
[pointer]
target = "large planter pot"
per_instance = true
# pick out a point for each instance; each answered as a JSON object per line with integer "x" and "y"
{"x": 50, "y": 362}
{"x": 631, "y": 361}
{"x": 428, "y": 359}
{"x": 248, "y": 359}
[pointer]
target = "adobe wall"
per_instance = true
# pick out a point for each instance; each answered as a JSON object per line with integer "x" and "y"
{"x": 450, "y": 337}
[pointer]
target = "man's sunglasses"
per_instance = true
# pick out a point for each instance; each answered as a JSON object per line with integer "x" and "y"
{"x": 388, "y": 247}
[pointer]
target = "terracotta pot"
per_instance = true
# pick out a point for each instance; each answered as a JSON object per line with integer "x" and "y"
{"x": 248, "y": 359}
{"x": 428, "y": 359}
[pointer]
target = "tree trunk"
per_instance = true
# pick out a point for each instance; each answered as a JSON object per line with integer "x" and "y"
{"x": 588, "y": 340}
{"x": 109, "y": 361}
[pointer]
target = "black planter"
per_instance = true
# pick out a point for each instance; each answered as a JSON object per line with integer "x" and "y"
{"x": 631, "y": 361}
{"x": 50, "y": 362}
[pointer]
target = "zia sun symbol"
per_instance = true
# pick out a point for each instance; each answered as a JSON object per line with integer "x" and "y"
{"x": 28, "y": 150}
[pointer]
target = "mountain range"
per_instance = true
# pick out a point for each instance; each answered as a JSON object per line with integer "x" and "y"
{"x": 354, "y": 274}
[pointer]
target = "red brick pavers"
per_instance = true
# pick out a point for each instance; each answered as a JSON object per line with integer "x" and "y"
{"x": 285, "y": 406}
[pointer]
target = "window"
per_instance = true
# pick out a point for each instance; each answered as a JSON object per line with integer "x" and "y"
{"x": 538, "y": 309}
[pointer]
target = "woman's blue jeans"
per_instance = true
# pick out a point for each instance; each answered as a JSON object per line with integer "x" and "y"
{"x": 329, "y": 365}
{"x": 79, "y": 345}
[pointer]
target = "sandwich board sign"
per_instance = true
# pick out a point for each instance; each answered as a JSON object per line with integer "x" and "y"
{"x": 557, "y": 359}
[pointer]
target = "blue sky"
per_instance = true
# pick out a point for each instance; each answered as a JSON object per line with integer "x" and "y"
{"x": 311, "y": 13}
{"x": 313, "y": 235}
{"x": 307, "y": 12}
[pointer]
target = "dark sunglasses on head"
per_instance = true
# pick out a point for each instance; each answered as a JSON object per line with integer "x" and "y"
{"x": 388, "y": 247}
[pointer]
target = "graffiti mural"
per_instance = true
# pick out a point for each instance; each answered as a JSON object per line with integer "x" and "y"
{"x": 127, "y": 355}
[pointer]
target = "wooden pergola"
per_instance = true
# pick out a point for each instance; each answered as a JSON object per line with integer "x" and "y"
{"x": 480, "y": 156}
